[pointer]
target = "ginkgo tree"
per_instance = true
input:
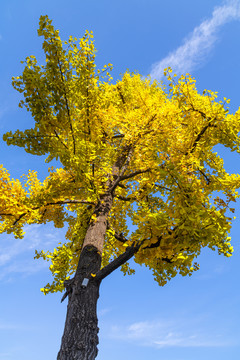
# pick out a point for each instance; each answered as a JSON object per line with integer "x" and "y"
{"x": 135, "y": 149}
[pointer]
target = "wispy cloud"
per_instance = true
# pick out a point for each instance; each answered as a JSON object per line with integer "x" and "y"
{"x": 4, "y": 326}
{"x": 102, "y": 312}
{"x": 171, "y": 333}
{"x": 16, "y": 255}
{"x": 199, "y": 43}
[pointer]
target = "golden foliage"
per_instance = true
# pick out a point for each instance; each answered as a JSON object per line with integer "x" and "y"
{"x": 172, "y": 185}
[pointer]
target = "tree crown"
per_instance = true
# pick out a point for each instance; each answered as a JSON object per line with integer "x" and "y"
{"x": 152, "y": 146}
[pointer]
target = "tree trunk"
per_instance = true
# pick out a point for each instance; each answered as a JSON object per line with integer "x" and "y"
{"x": 80, "y": 338}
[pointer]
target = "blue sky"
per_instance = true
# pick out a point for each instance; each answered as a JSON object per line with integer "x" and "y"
{"x": 190, "y": 318}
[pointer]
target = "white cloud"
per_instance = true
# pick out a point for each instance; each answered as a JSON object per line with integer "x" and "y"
{"x": 172, "y": 333}
{"x": 23, "y": 267}
{"x": 35, "y": 235}
{"x": 103, "y": 312}
{"x": 16, "y": 255}
{"x": 10, "y": 326}
{"x": 199, "y": 43}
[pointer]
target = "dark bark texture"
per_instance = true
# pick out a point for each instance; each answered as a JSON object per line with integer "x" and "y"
{"x": 80, "y": 337}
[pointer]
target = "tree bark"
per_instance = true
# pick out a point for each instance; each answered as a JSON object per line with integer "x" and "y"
{"x": 80, "y": 338}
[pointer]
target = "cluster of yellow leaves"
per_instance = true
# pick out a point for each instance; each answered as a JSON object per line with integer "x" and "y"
{"x": 175, "y": 189}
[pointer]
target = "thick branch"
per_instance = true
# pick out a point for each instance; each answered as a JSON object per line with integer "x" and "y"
{"x": 123, "y": 258}
{"x": 108, "y": 269}
{"x": 123, "y": 169}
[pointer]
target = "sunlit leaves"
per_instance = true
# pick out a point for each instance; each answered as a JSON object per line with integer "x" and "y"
{"x": 151, "y": 146}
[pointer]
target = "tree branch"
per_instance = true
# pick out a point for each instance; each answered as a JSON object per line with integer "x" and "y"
{"x": 58, "y": 137}
{"x": 155, "y": 245}
{"x": 49, "y": 204}
{"x": 135, "y": 173}
{"x": 201, "y": 133}
{"x": 118, "y": 136}
{"x": 120, "y": 237}
{"x": 69, "y": 202}
{"x": 67, "y": 106}
{"x": 163, "y": 187}
{"x": 108, "y": 269}
{"x": 121, "y": 95}
{"x": 120, "y": 197}
{"x": 123, "y": 258}
{"x": 205, "y": 176}
{"x": 198, "y": 138}
{"x": 19, "y": 218}
{"x": 123, "y": 169}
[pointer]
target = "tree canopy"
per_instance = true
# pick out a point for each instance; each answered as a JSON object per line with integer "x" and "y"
{"x": 151, "y": 145}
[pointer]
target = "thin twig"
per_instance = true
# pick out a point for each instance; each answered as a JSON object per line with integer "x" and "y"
{"x": 67, "y": 106}
{"x": 124, "y": 198}
{"x": 50, "y": 204}
{"x": 135, "y": 173}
